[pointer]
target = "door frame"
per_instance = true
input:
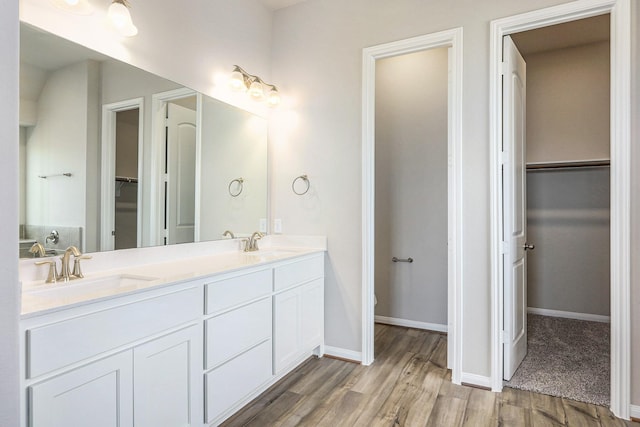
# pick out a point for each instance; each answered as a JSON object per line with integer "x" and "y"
{"x": 620, "y": 180}
{"x": 108, "y": 170}
{"x": 158, "y": 123}
{"x": 453, "y": 40}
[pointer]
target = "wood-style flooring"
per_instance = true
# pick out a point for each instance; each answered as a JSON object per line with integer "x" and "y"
{"x": 407, "y": 385}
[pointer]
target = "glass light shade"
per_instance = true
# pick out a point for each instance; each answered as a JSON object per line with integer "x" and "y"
{"x": 273, "y": 98}
{"x": 121, "y": 19}
{"x": 72, "y": 2}
{"x": 256, "y": 91}
{"x": 119, "y": 15}
{"x": 237, "y": 81}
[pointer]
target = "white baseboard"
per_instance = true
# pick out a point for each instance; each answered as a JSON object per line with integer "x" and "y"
{"x": 634, "y": 411}
{"x": 569, "y": 315}
{"x": 343, "y": 353}
{"x": 477, "y": 380}
{"x": 411, "y": 324}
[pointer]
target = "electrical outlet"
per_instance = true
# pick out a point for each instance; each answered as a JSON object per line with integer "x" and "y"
{"x": 263, "y": 225}
{"x": 277, "y": 226}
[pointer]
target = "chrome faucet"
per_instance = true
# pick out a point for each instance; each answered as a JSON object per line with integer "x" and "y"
{"x": 228, "y": 233}
{"x": 251, "y": 245}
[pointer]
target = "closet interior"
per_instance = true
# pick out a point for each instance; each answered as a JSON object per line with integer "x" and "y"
{"x": 568, "y": 208}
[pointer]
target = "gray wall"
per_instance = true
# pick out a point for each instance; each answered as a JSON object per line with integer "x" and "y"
{"x": 411, "y": 186}
{"x": 9, "y": 287}
{"x": 568, "y": 211}
{"x": 568, "y": 104}
{"x": 568, "y": 221}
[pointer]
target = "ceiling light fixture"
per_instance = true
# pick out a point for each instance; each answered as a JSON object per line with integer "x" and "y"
{"x": 120, "y": 18}
{"x": 242, "y": 81}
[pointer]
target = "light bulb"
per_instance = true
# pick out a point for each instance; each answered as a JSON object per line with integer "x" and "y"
{"x": 256, "y": 91}
{"x": 237, "y": 81}
{"x": 72, "y": 2}
{"x": 273, "y": 98}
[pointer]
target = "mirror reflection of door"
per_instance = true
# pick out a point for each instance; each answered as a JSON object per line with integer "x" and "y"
{"x": 126, "y": 188}
{"x": 180, "y": 171}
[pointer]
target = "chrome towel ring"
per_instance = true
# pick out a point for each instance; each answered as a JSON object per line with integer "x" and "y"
{"x": 239, "y": 187}
{"x": 306, "y": 184}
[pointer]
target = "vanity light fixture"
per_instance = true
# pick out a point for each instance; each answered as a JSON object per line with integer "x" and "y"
{"x": 242, "y": 81}
{"x": 120, "y": 18}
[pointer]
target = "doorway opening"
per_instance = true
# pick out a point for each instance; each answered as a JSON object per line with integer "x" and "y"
{"x": 122, "y": 160}
{"x": 451, "y": 42}
{"x": 174, "y": 167}
{"x": 619, "y": 11}
{"x": 411, "y": 190}
{"x": 566, "y": 216}
{"x": 126, "y": 192}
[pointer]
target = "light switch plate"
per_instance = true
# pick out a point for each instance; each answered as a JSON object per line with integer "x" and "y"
{"x": 277, "y": 226}
{"x": 263, "y": 225}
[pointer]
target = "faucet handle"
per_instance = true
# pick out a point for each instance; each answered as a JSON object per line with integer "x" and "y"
{"x": 52, "y": 276}
{"x": 77, "y": 271}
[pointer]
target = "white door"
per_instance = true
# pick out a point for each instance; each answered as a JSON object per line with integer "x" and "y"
{"x": 514, "y": 208}
{"x": 181, "y": 174}
{"x": 99, "y": 394}
{"x": 165, "y": 378}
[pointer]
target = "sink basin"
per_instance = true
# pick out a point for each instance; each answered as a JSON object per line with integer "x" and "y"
{"x": 79, "y": 289}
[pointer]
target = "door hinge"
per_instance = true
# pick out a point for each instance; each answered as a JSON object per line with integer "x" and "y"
{"x": 504, "y": 156}
{"x": 503, "y": 247}
{"x": 503, "y": 337}
{"x": 503, "y": 67}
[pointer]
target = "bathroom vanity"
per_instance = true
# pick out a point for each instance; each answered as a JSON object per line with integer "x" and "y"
{"x": 180, "y": 342}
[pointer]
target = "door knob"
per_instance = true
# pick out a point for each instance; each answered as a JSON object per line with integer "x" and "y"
{"x": 529, "y": 246}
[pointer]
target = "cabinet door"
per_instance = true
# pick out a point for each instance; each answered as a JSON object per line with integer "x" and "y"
{"x": 99, "y": 395}
{"x": 166, "y": 380}
{"x": 287, "y": 328}
{"x": 313, "y": 315}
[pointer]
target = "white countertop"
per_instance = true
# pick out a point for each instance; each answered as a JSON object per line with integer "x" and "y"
{"x": 40, "y": 298}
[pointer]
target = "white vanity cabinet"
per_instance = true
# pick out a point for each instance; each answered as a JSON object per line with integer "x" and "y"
{"x": 238, "y": 331}
{"x": 298, "y": 311}
{"x": 177, "y": 355}
{"x": 131, "y": 362}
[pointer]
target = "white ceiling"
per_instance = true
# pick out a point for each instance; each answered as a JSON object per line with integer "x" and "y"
{"x": 279, "y": 4}
{"x": 574, "y": 33}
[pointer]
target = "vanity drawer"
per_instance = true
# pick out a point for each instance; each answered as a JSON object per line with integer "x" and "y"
{"x": 233, "y": 332}
{"x": 227, "y": 293}
{"x": 69, "y": 341}
{"x": 296, "y": 273}
{"x": 228, "y": 384}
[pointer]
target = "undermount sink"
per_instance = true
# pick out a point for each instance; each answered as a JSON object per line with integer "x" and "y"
{"x": 98, "y": 286}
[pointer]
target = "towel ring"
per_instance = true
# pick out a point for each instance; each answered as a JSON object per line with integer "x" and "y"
{"x": 303, "y": 178}
{"x": 240, "y": 187}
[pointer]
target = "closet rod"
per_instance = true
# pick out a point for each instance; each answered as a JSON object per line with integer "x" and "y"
{"x": 569, "y": 165}
{"x": 126, "y": 179}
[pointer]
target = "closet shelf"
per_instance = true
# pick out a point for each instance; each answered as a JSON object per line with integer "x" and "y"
{"x": 569, "y": 165}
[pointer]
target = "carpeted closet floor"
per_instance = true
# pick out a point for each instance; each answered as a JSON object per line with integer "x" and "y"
{"x": 566, "y": 358}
